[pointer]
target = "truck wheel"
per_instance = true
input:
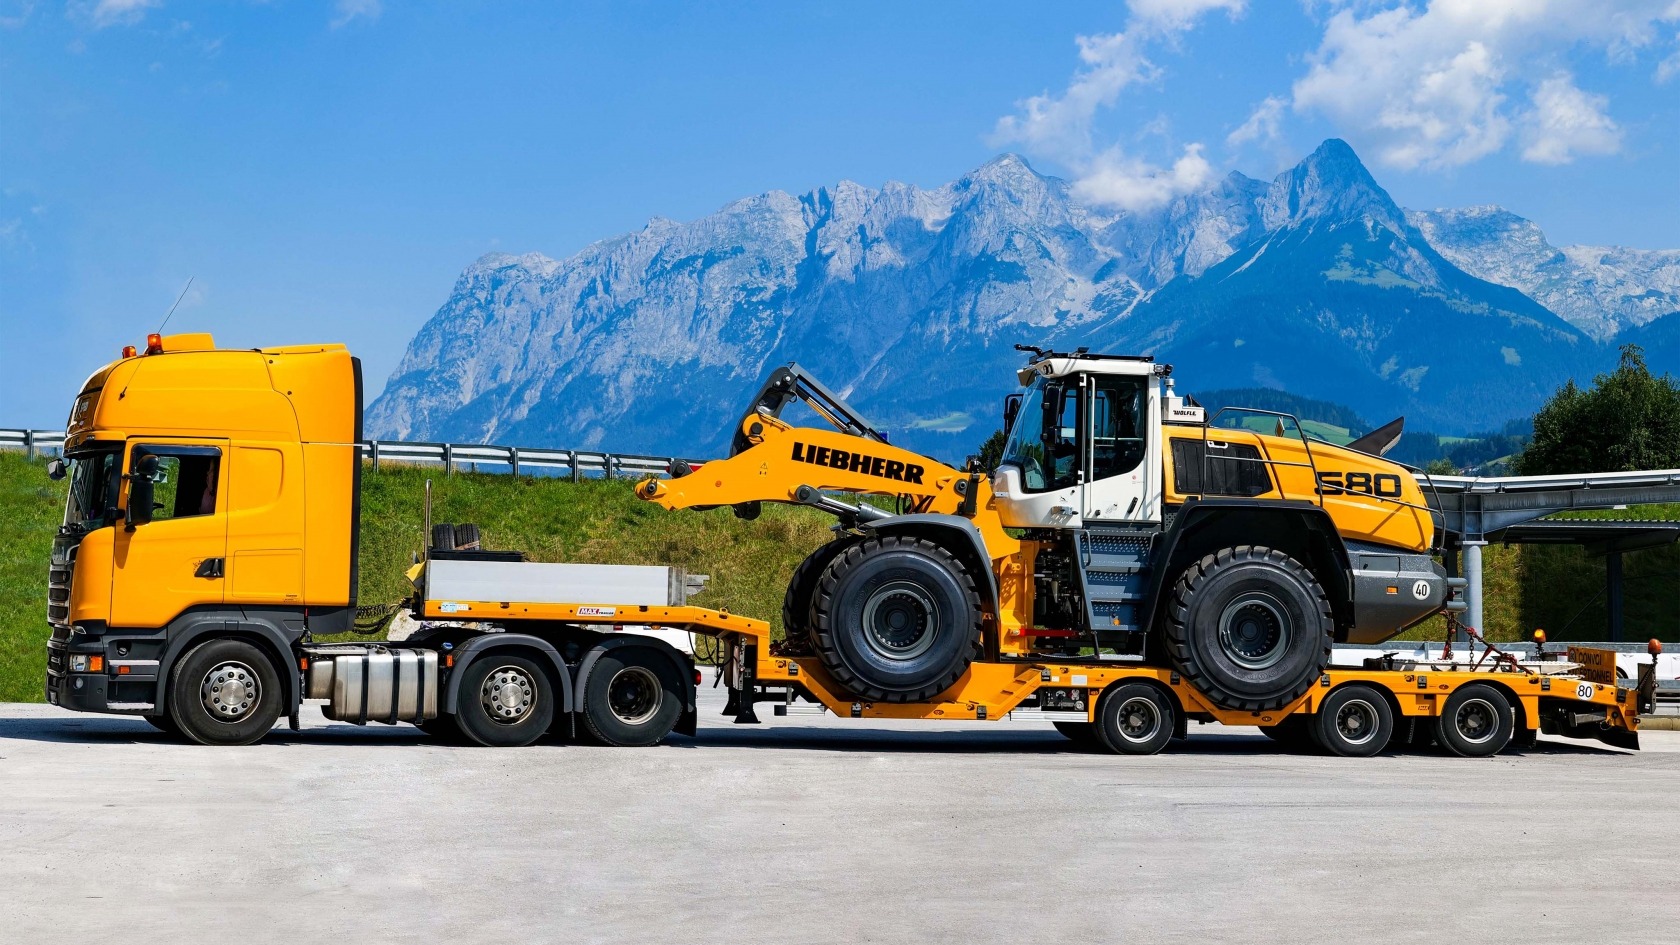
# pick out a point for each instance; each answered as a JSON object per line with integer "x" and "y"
{"x": 802, "y": 587}
{"x": 1476, "y": 721}
{"x": 505, "y": 701}
{"x": 633, "y": 697}
{"x": 1250, "y": 627}
{"x": 443, "y": 728}
{"x": 164, "y": 723}
{"x": 1354, "y": 721}
{"x": 1135, "y": 719}
{"x": 897, "y": 619}
{"x": 1082, "y": 734}
{"x": 224, "y": 692}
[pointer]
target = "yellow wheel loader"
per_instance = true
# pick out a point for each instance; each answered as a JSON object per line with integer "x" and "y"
{"x": 1121, "y": 525}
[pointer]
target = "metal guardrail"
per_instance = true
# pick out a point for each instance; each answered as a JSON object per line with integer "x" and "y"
{"x": 518, "y": 460}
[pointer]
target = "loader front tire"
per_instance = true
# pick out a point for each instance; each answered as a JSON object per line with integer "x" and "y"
{"x": 896, "y": 619}
{"x": 1250, "y": 627}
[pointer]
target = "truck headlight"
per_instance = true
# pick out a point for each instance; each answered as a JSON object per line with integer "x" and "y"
{"x": 84, "y": 663}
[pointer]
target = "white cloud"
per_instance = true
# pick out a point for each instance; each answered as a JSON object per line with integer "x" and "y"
{"x": 1059, "y": 126}
{"x": 1566, "y": 121}
{"x": 1429, "y": 87}
{"x": 1262, "y": 124}
{"x": 117, "y": 12}
{"x": 348, "y": 10}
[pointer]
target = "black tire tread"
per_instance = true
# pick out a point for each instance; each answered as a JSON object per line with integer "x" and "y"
{"x": 1178, "y": 613}
{"x": 796, "y": 605}
{"x": 823, "y": 638}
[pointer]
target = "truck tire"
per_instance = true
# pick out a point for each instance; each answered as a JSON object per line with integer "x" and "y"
{"x": 633, "y": 697}
{"x": 896, "y": 619}
{"x": 1477, "y": 721}
{"x": 505, "y": 701}
{"x": 164, "y": 723}
{"x": 443, "y": 537}
{"x": 1082, "y": 734}
{"x": 1292, "y": 733}
{"x": 802, "y": 588}
{"x": 1135, "y": 719}
{"x": 1354, "y": 721}
{"x": 466, "y": 537}
{"x": 1250, "y": 627}
{"x": 224, "y": 692}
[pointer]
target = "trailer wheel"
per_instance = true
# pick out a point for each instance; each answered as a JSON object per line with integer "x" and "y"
{"x": 1250, "y": 627}
{"x": 1135, "y": 719}
{"x": 1477, "y": 721}
{"x": 802, "y": 588}
{"x": 1082, "y": 734}
{"x": 1354, "y": 721}
{"x": 506, "y": 701}
{"x": 224, "y": 692}
{"x": 633, "y": 697}
{"x": 897, "y": 619}
{"x": 1293, "y": 733}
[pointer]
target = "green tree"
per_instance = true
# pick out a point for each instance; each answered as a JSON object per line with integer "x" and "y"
{"x": 1628, "y": 420}
{"x": 991, "y": 451}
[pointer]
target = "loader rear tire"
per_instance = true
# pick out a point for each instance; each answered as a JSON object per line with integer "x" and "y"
{"x": 1250, "y": 627}
{"x": 802, "y": 589}
{"x": 896, "y": 619}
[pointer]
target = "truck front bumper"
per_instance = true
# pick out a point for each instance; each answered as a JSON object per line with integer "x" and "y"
{"x": 83, "y": 692}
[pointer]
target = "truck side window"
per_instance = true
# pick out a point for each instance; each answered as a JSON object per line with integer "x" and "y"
{"x": 187, "y": 481}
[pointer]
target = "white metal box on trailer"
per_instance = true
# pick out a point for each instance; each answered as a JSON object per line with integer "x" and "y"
{"x": 532, "y": 582}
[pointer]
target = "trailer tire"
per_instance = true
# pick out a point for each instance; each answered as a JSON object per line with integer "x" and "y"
{"x": 1250, "y": 627}
{"x": 802, "y": 589}
{"x": 897, "y": 619}
{"x": 1082, "y": 734}
{"x": 632, "y": 698}
{"x": 1293, "y": 733}
{"x": 1354, "y": 721}
{"x": 1135, "y": 719}
{"x": 506, "y": 701}
{"x": 1477, "y": 721}
{"x": 224, "y": 692}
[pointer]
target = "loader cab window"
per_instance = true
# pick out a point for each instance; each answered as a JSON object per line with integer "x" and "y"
{"x": 1119, "y": 413}
{"x": 1044, "y": 442}
{"x": 187, "y": 481}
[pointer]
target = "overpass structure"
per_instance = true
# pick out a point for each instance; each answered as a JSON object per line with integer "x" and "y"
{"x": 1474, "y": 511}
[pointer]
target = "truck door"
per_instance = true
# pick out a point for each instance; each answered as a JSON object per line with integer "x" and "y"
{"x": 178, "y": 559}
{"x": 1122, "y": 457}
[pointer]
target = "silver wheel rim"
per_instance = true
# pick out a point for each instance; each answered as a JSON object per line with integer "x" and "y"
{"x": 1254, "y": 632}
{"x": 1476, "y": 721}
{"x": 230, "y": 691}
{"x": 634, "y": 695}
{"x": 508, "y": 694}
{"x": 1139, "y": 719}
{"x": 1356, "y": 722}
{"x": 900, "y": 620}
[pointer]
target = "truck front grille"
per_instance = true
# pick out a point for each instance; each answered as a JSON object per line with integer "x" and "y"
{"x": 58, "y": 581}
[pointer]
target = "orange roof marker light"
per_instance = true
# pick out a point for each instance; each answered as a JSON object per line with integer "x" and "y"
{"x": 128, "y": 351}
{"x": 154, "y": 343}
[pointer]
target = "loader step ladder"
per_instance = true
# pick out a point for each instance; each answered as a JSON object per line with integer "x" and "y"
{"x": 1113, "y": 568}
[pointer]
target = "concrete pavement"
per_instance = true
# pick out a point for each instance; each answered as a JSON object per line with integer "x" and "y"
{"x": 811, "y": 829}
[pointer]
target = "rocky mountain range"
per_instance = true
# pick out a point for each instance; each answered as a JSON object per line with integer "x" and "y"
{"x": 908, "y": 301}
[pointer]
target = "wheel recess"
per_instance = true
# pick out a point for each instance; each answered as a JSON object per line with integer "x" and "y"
{"x": 1250, "y": 627}
{"x": 896, "y": 619}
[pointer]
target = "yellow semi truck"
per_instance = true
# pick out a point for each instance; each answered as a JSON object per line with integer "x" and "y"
{"x": 1130, "y": 567}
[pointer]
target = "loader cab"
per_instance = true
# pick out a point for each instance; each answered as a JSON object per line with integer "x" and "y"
{"x": 1084, "y": 443}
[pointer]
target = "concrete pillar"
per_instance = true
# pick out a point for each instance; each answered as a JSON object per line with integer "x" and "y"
{"x": 1613, "y": 593}
{"x": 1473, "y": 590}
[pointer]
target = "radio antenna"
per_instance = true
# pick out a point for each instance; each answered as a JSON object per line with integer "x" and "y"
{"x": 177, "y": 304}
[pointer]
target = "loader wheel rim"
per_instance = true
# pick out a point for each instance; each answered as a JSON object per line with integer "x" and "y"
{"x": 899, "y": 620}
{"x": 1476, "y": 721}
{"x": 1139, "y": 719}
{"x": 1357, "y": 722}
{"x": 230, "y": 691}
{"x": 1254, "y": 632}
{"x": 634, "y": 695}
{"x": 508, "y": 695}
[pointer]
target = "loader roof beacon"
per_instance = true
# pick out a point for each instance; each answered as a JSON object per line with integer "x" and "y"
{"x": 1132, "y": 565}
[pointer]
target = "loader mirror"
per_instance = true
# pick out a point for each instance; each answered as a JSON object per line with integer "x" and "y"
{"x": 141, "y": 489}
{"x": 1011, "y": 407}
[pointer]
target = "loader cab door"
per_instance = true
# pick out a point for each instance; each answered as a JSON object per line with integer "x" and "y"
{"x": 1082, "y": 448}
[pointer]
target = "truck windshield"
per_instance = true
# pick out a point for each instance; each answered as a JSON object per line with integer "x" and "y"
{"x": 93, "y": 487}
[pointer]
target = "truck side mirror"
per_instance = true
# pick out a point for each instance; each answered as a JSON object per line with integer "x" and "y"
{"x": 141, "y": 486}
{"x": 55, "y": 470}
{"x": 1011, "y": 408}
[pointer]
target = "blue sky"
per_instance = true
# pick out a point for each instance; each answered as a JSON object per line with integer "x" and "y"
{"x": 324, "y": 170}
